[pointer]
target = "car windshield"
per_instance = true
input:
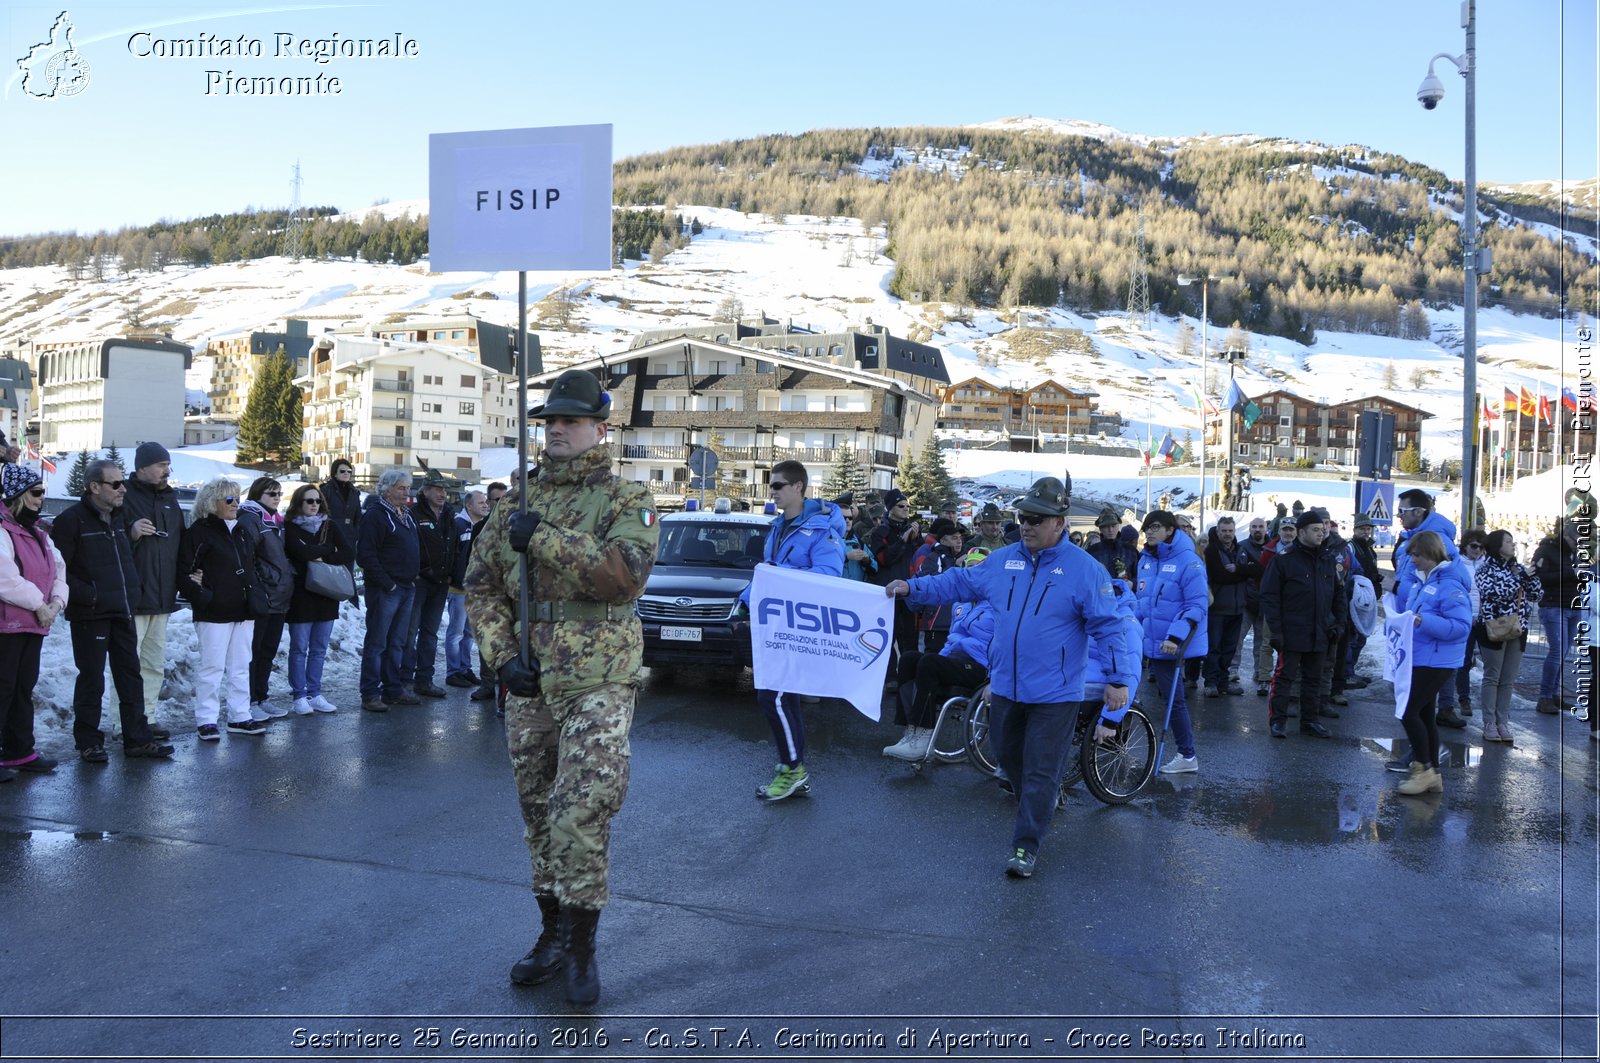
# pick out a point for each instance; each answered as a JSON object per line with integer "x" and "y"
{"x": 723, "y": 545}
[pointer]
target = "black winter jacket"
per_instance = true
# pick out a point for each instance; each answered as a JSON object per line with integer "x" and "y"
{"x": 328, "y": 544}
{"x": 155, "y": 556}
{"x": 1252, "y": 593}
{"x": 436, "y": 542}
{"x": 342, "y": 503}
{"x": 272, "y": 563}
{"x": 1230, "y": 591}
{"x": 893, "y": 550}
{"x": 1303, "y": 600}
{"x": 102, "y": 578}
{"x": 1110, "y": 552}
{"x": 1555, "y": 563}
{"x": 226, "y": 561}
{"x": 1367, "y": 559}
{"x": 466, "y": 534}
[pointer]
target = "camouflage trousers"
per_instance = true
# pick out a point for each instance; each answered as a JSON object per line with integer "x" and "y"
{"x": 570, "y": 759}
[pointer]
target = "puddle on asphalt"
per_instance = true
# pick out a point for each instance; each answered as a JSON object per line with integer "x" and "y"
{"x": 53, "y": 839}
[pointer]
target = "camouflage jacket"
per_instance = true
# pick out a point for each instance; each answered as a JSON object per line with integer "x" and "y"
{"x": 596, "y": 543}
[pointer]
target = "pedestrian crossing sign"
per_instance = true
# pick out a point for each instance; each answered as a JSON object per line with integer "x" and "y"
{"x": 1375, "y": 500}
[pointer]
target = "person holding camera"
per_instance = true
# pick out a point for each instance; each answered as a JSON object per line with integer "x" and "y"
{"x": 894, "y": 544}
{"x": 155, "y": 529}
{"x": 586, "y": 540}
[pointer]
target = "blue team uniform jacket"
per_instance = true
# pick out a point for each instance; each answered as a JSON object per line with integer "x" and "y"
{"x": 1405, "y": 570}
{"x": 971, "y": 631}
{"x": 812, "y": 542}
{"x": 1444, "y": 602}
{"x": 1172, "y": 597}
{"x": 1046, "y": 607}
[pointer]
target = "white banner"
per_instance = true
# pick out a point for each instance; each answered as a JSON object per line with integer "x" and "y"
{"x": 1397, "y": 631}
{"x": 820, "y": 635}
{"x": 523, "y": 199}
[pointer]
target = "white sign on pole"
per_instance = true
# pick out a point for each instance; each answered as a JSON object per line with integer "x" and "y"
{"x": 520, "y": 199}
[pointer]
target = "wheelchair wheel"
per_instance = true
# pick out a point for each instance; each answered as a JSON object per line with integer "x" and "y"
{"x": 980, "y": 750}
{"x": 1072, "y": 773}
{"x": 1115, "y": 771}
{"x": 950, "y": 732}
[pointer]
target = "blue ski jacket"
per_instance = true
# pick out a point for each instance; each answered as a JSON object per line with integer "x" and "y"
{"x": 1046, "y": 607}
{"x": 971, "y": 631}
{"x": 1405, "y": 570}
{"x": 1443, "y": 601}
{"x": 1172, "y": 596}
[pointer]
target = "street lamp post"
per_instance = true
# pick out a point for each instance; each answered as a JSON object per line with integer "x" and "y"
{"x": 1205, "y": 320}
{"x": 1234, "y": 357}
{"x": 1429, "y": 94}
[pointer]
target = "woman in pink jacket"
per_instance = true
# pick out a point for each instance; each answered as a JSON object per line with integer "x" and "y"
{"x": 33, "y": 590}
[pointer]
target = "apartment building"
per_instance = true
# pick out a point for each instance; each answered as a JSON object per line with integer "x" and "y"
{"x": 1295, "y": 428}
{"x": 384, "y": 403}
{"x": 127, "y": 391}
{"x": 16, "y": 399}
{"x": 236, "y": 359}
{"x": 1047, "y": 408}
{"x": 764, "y": 406}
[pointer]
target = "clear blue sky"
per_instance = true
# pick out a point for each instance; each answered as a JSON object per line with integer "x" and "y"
{"x": 144, "y": 142}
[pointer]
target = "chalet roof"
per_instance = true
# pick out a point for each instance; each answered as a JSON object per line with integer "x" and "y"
{"x": 870, "y": 349}
{"x": 1379, "y": 398}
{"x": 783, "y": 358}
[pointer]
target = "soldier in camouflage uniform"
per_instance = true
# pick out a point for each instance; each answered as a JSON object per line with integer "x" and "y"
{"x": 590, "y": 541}
{"x": 990, "y": 536}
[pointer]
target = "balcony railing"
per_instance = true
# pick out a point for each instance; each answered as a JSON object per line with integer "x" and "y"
{"x": 669, "y": 452}
{"x": 391, "y": 385}
{"x": 392, "y": 413}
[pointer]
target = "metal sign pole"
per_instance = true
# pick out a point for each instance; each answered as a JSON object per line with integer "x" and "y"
{"x": 522, "y": 459}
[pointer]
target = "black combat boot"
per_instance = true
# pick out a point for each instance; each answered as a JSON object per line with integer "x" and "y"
{"x": 544, "y": 959}
{"x": 577, "y": 933}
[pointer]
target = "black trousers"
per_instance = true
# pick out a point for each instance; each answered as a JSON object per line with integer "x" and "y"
{"x": 925, "y": 682}
{"x": 93, "y": 641}
{"x": 1421, "y": 721}
{"x": 19, "y": 672}
{"x": 1297, "y": 665}
{"x": 268, "y": 635}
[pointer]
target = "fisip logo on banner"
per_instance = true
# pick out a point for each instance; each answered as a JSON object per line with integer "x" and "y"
{"x": 820, "y": 635}
{"x": 520, "y": 199}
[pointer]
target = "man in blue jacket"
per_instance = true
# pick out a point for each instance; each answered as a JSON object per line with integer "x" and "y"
{"x": 1049, "y": 597}
{"x": 808, "y": 534}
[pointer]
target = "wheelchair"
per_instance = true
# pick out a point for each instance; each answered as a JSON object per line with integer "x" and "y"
{"x": 1115, "y": 771}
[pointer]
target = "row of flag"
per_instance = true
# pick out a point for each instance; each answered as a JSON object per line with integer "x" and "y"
{"x": 1524, "y": 402}
{"x": 45, "y": 464}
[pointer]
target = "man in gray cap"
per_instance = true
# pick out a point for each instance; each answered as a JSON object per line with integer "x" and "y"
{"x": 155, "y": 530}
{"x": 1049, "y": 599}
{"x": 1306, "y": 609}
{"x": 585, "y": 541}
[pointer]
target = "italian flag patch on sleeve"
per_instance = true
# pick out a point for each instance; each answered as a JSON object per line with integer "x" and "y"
{"x": 648, "y": 517}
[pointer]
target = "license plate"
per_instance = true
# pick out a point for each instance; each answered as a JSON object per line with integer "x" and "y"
{"x": 681, "y": 634}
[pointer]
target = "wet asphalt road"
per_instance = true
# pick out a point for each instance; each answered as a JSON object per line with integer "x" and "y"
{"x": 363, "y": 872}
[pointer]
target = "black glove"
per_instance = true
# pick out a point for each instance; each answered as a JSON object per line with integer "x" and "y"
{"x": 520, "y": 528}
{"x": 519, "y": 679}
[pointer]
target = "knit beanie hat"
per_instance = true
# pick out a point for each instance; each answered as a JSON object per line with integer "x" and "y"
{"x": 15, "y": 479}
{"x": 150, "y": 454}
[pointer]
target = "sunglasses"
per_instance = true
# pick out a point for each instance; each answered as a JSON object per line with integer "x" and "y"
{"x": 1032, "y": 520}
{"x": 231, "y": 500}
{"x": 37, "y": 492}
{"x": 115, "y": 485}
{"x": 345, "y": 472}
{"x": 1411, "y": 509}
{"x": 311, "y": 501}
{"x": 777, "y": 486}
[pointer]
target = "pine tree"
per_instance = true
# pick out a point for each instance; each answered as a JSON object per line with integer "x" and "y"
{"x": 935, "y": 491}
{"x": 845, "y": 475}
{"x": 1410, "y": 459}
{"x": 113, "y": 454}
{"x": 78, "y": 475}
{"x": 1185, "y": 340}
{"x": 291, "y": 430}
{"x": 908, "y": 477}
{"x": 1391, "y": 379}
{"x": 255, "y": 424}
